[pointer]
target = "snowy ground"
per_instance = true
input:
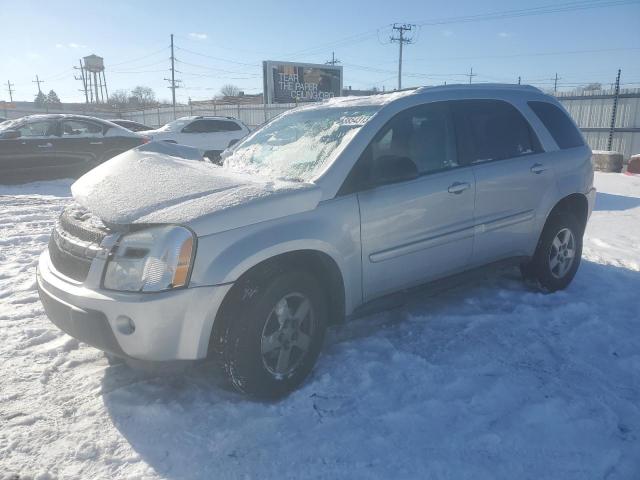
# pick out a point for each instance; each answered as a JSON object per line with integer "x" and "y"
{"x": 490, "y": 380}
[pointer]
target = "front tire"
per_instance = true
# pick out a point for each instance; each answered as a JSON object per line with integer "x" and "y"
{"x": 557, "y": 256}
{"x": 275, "y": 332}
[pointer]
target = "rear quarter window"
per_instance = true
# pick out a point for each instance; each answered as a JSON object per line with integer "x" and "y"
{"x": 490, "y": 130}
{"x": 560, "y": 126}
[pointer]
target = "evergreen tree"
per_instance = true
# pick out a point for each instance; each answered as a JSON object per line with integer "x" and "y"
{"x": 52, "y": 98}
{"x": 40, "y": 100}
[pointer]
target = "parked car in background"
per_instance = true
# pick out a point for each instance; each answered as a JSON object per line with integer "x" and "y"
{"x": 48, "y": 146}
{"x": 130, "y": 125}
{"x": 211, "y": 135}
{"x": 317, "y": 214}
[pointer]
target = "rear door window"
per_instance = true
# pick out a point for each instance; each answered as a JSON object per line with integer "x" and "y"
{"x": 490, "y": 130}
{"x": 211, "y": 126}
{"x": 80, "y": 129}
{"x": 560, "y": 126}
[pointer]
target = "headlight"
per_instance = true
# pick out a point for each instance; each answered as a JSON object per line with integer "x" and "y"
{"x": 151, "y": 260}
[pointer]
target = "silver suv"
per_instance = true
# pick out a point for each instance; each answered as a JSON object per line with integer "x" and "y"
{"x": 309, "y": 219}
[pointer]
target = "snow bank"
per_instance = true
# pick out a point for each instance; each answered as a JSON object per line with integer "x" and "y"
{"x": 487, "y": 381}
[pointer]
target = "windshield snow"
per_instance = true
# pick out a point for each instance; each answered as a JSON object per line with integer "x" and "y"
{"x": 298, "y": 145}
{"x": 8, "y": 124}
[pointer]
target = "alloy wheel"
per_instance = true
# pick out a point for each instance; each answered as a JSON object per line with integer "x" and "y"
{"x": 287, "y": 334}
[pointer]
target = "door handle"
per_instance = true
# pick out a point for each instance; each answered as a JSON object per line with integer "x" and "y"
{"x": 45, "y": 145}
{"x": 95, "y": 143}
{"x": 458, "y": 187}
{"x": 538, "y": 168}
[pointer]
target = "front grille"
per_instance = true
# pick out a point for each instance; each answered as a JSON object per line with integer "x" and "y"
{"x": 75, "y": 241}
{"x": 67, "y": 263}
{"x": 79, "y": 223}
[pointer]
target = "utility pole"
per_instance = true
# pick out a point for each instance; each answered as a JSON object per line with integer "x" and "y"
{"x": 401, "y": 28}
{"x": 555, "y": 83}
{"x": 10, "y": 90}
{"x": 38, "y": 81}
{"x": 333, "y": 60}
{"x": 471, "y": 75}
{"x": 173, "y": 80}
{"x": 616, "y": 94}
{"x": 84, "y": 81}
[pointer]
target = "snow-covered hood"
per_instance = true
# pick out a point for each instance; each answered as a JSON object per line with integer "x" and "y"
{"x": 139, "y": 187}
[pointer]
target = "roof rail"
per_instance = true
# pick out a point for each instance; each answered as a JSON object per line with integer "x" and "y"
{"x": 480, "y": 86}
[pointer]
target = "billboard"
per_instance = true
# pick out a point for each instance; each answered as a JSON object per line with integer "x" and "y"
{"x": 292, "y": 82}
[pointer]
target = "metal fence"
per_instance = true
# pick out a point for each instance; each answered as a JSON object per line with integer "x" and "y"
{"x": 591, "y": 110}
{"x": 252, "y": 115}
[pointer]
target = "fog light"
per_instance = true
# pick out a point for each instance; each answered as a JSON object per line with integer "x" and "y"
{"x": 125, "y": 325}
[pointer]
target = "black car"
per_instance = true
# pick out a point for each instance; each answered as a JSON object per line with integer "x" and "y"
{"x": 131, "y": 125}
{"x": 49, "y": 146}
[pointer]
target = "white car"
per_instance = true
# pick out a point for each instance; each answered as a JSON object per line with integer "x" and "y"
{"x": 211, "y": 135}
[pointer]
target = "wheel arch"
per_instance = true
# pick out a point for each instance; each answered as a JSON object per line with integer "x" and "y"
{"x": 320, "y": 264}
{"x": 575, "y": 204}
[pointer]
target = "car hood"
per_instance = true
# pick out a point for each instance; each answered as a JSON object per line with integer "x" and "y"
{"x": 148, "y": 187}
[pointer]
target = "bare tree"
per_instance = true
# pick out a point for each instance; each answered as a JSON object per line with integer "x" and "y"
{"x": 119, "y": 98}
{"x": 230, "y": 90}
{"x": 143, "y": 96}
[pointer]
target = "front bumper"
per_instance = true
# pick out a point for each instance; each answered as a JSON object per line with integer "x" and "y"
{"x": 173, "y": 325}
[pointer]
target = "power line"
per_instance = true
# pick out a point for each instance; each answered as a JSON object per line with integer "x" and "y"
{"x": 541, "y": 10}
{"x": 220, "y": 59}
{"x": 401, "y": 28}
{"x": 204, "y": 67}
{"x": 163, "y": 49}
{"x": 526, "y": 12}
{"x": 533, "y": 54}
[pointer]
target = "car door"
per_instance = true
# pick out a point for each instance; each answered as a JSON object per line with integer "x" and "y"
{"x": 118, "y": 140}
{"x": 80, "y": 144}
{"x": 33, "y": 151}
{"x": 199, "y": 134}
{"x": 420, "y": 229}
{"x": 511, "y": 176}
{"x": 230, "y": 131}
{"x": 207, "y": 135}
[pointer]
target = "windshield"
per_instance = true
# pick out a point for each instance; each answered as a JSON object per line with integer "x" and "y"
{"x": 298, "y": 145}
{"x": 8, "y": 124}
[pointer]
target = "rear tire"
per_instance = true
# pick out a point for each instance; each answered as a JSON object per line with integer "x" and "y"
{"x": 275, "y": 329}
{"x": 557, "y": 256}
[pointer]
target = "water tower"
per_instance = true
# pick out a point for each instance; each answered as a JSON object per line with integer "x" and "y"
{"x": 95, "y": 83}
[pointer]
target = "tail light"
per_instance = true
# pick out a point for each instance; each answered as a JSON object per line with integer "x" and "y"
{"x": 146, "y": 140}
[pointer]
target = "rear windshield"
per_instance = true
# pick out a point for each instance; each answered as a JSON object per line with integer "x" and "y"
{"x": 560, "y": 126}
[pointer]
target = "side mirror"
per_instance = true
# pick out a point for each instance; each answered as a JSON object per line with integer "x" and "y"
{"x": 393, "y": 169}
{"x": 10, "y": 134}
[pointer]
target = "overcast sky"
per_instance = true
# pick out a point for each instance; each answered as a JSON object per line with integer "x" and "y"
{"x": 225, "y": 42}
